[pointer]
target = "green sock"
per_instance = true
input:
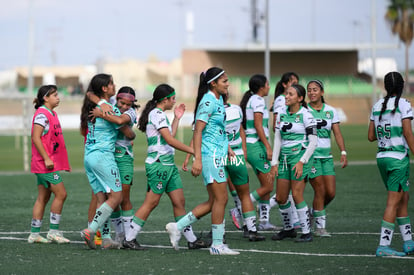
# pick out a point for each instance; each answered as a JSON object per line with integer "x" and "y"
{"x": 218, "y": 233}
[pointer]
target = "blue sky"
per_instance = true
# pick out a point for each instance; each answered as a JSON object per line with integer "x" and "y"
{"x": 80, "y": 32}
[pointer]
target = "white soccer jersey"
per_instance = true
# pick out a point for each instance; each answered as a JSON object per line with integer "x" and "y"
{"x": 158, "y": 149}
{"x": 388, "y": 130}
{"x": 234, "y": 117}
{"x": 256, "y": 104}
{"x": 279, "y": 105}
{"x": 292, "y": 129}
{"x": 324, "y": 117}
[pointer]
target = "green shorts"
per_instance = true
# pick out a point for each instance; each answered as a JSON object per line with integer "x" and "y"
{"x": 162, "y": 178}
{"x": 49, "y": 178}
{"x": 237, "y": 170}
{"x": 395, "y": 173}
{"x": 126, "y": 168}
{"x": 286, "y": 164}
{"x": 322, "y": 167}
{"x": 257, "y": 157}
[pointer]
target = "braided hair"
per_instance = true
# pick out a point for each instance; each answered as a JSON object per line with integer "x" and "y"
{"x": 394, "y": 85}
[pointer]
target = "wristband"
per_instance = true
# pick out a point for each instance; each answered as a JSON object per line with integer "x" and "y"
{"x": 343, "y": 153}
{"x": 102, "y": 101}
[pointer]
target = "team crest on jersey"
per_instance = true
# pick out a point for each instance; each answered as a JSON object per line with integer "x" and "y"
{"x": 328, "y": 115}
{"x": 221, "y": 173}
{"x": 159, "y": 185}
{"x": 117, "y": 183}
{"x": 297, "y": 119}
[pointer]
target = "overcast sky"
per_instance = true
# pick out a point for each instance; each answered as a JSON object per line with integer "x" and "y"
{"x": 79, "y": 32}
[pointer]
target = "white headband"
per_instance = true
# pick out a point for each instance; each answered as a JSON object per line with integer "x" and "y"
{"x": 214, "y": 78}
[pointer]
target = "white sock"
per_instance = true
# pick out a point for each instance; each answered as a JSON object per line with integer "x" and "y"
{"x": 189, "y": 234}
{"x": 133, "y": 232}
{"x": 303, "y": 214}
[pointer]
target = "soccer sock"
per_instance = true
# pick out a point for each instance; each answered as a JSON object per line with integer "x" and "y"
{"x": 106, "y": 230}
{"x": 54, "y": 221}
{"x": 286, "y": 214}
{"x": 295, "y": 217}
{"x": 320, "y": 218}
{"x": 35, "y": 226}
{"x": 135, "y": 227}
{"x": 187, "y": 231}
{"x": 303, "y": 213}
{"x": 127, "y": 217}
{"x": 250, "y": 220}
{"x": 254, "y": 196}
{"x": 387, "y": 230}
{"x": 117, "y": 222}
{"x": 101, "y": 216}
{"x": 218, "y": 233}
{"x": 405, "y": 228}
{"x": 188, "y": 219}
{"x": 272, "y": 201}
{"x": 236, "y": 199}
{"x": 264, "y": 209}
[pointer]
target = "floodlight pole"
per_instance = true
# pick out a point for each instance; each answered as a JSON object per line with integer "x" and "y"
{"x": 30, "y": 84}
{"x": 373, "y": 51}
{"x": 267, "y": 49}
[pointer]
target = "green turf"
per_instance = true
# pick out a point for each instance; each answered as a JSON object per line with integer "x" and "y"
{"x": 354, "y": 218}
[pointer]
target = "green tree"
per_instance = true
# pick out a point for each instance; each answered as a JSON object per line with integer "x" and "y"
{"x": 400, "y": 15}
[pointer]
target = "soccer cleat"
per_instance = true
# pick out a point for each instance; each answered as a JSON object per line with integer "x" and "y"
{"x": 222, "y": 249}
{"x": 245, "y": 231}
{"x": 266, "y": 226}
{"x": 174, "y": 233}
{"x": 98, "y": 238}
{"x": 408, "y": 247}
{"x": 256, "y": 237}
{"x": 36, "y": 238}
{"x": 88, "y": 236}
{"x": 305, "y": 238}
{"x": 134, "y": 245}
{"x": 108, "y": 243}
{"x": 236, "y": 218}
{"x": 119, "y": 237}
{"x": 283, "y": 234}
{"x": 321, "y": 232}
{"x": 384, "y": 251}
{"x": 197, "y": 244}
{"x": 56, "y": 237}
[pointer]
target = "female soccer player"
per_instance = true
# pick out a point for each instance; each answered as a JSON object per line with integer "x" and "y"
{"x": 124, "y": 156}
{"x": 49, "y": 157}
{"x": 322, "y": 175}
{"x": 259, "y": 152}
{"x": 210, "y": 152}
{"x": 390, "y": 125}
{"x": 100, "y": 164}
{"x": 294, "y": 143}
{"x": 162, "y": 174}
{"x": 238, "y": 179}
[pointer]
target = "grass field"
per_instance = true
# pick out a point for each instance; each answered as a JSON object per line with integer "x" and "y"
{"x": 354, "y": 219}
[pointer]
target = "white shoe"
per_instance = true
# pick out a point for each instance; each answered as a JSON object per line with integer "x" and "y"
{"x": 174, "y": 233}
{"x": 36, "y": 238}
{"x": 57, "y": 237}
{"x": 267, "y": 226}
{"x": 321, "y": 232}
{"x": 222, "y": 249}
{"x": 119, "y": 238}
{"x": 108, "y": 243}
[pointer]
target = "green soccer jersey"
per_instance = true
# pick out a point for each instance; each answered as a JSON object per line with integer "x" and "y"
{"x": 388, "y": 130}
{"x": 324, "y": 117}
{"x": 256, "y": 104}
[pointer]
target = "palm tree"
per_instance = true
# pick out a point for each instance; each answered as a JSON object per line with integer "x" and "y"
{"x": 400, "y": 15}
